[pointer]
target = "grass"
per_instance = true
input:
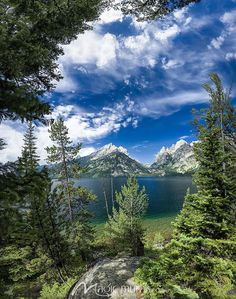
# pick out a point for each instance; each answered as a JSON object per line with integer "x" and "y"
{"x": 160, "y": 225}
{"x": 152, "y": 226}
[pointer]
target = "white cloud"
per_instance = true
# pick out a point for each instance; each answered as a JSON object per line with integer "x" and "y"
{"x": 164, "y": 35}
{"x": 85, "y": 127}
{"x": 85, "y": 151}
{"x": 217, "y": 42}
{"x": 91, "y": 48}
{"x": 111, "y": 15}
{"x": 156, "y": 106}
{"x": 229, "y": 18}
{"x": 228, "y": 33}
{"x": 230, "y": 56}
{"x": 184, "y": 137}
{"x": 171, "y": 63}
{"x": 120, "y": 55}
{"x": 67, "y": 83}
{"x": 14, "y": 140}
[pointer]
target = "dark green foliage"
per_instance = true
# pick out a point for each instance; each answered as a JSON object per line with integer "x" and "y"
{"x": 32, "y": 248}
{"x": 152, "y": 9}
{"x": 124, "y": 226}
{"x": 31, "y": 35}
{"x": 28, "y": 162}
{"x": 199, "y": 262}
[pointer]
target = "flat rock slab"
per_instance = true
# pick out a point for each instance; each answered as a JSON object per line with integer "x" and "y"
{"x": 109, "y": 278}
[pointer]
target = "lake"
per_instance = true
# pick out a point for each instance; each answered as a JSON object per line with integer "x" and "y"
{"x": 166, "y": 194}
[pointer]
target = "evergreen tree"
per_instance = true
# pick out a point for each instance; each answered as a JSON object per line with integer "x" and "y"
{"x": 77, "y": 227}
{"x": 63, "y": 152}
{"x": 32, "y": 33}
{"x": 124, "y": 226}
{"x": 200, "y": 260}
{"x": 32, "y": 245}
{"x": 28, "y": 162}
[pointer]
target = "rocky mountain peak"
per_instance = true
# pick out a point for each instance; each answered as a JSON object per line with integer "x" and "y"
{"x": 166, "y": 151}
{"x": 178, "y": 158}
{"x": 180, "y": 143}
{"x": 108, "y": 149}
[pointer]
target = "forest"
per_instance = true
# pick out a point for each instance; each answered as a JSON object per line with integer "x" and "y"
{"x": 47, "y": 236}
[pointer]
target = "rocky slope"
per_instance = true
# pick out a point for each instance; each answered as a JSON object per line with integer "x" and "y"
{"x": 177, "y": 159}
{"x": 109, "y": 278}
{"x": 111, "y": 160}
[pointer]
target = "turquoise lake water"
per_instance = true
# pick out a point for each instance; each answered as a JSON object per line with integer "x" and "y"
{"x": 166, "y": 194}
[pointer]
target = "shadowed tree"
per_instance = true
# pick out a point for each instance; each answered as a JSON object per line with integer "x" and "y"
{"x": 31, "y": 35}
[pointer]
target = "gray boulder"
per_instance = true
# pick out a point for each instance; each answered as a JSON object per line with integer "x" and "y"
{"x": 109, "y": 278}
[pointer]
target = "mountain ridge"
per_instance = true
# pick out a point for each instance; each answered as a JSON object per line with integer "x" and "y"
{"x": 116, "y": 161}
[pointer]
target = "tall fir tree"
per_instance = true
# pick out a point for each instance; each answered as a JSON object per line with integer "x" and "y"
{"x": 32, "y": 246}
{"x": 200, "y": 260}
{"x": 124, "y": 226}
{"x": 63, "y": 154}
{"x": 28, "y": 162}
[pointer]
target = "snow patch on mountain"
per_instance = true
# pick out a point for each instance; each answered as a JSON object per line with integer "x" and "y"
{"x": 107, "y": 150}
{"x": 177, "y": 159}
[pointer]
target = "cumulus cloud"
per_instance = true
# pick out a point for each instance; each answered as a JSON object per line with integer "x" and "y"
{"x": 85, "y": 127}
{"x": 110, "y": 15}
{"x": 67, "y": 83}
{"x": 14, "y": 140}
{"x": 91, "y": 48}
{"x": 119, "y": 55}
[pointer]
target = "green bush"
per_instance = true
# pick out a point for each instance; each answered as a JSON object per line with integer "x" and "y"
{"x": 56, "y": 290}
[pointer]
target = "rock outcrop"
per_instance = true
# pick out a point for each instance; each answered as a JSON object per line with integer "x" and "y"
{"x": 109, "y": 278}
{"x": 177, "y": 159}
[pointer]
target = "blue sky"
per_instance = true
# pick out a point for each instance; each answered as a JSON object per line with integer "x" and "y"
{"x": 135, "y": 83}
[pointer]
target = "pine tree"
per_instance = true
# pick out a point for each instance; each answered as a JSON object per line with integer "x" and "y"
{"x": 200, "y": 260}
{"x": 77, "y": 227}
{"x": 32, "y": 33}
{"x": 63, "y": 153}
{"x": 124, "y": 226}
{"x": 32, "y": 245}
{"x": 28, "y": 162}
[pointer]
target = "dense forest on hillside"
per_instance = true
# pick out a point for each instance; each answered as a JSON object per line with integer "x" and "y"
{"x": 47, "y": 239}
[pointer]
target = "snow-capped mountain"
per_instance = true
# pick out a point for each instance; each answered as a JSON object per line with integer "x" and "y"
{"x": 108, "y": 149}
{"x": 111, "y": 160}
{"x": 177, "y": 159}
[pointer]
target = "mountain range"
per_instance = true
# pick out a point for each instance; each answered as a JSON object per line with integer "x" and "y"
{"x": 116, "y": 161}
